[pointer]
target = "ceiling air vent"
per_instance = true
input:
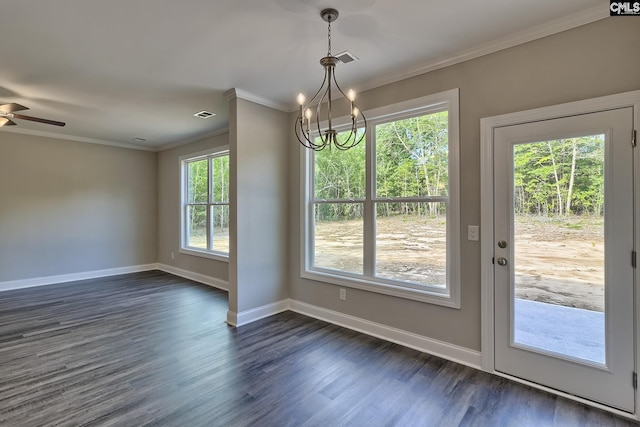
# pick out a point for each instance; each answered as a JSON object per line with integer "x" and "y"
{"x": 204, "y": 114}
{"x": 346, "y": 57}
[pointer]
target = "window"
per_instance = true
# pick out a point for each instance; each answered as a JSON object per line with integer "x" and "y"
{"x": 384, "y": 216}
{"x": 205, "y": 204}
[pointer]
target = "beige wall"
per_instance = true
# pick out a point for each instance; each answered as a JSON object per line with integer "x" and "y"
{"x": 589, "y": 61}
{"x": 259, "y": 173}
{"x": 69, "y": 207}
{"x": 169, "y": 210}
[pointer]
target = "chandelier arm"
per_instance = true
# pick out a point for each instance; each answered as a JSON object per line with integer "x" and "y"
{"x": 323, "y": 137}
{"x": 319, "y": 89}
{"x": 352, "y": 140}
{"x": 307, "y": 142}
{"x": 300, "y": 130}
{"x": 338, "y": 86}
{"x": 364, "y": 119}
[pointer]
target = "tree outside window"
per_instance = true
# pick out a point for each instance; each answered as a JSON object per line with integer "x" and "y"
{"x": 205, "y": 211}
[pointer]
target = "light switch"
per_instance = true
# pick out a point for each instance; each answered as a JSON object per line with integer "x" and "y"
{"x": 473, "y": 233}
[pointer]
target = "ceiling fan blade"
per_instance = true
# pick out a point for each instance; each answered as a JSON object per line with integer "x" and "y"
{"x": 39, "y": 120}
{"x": 6, "y": 122}
{"x": 10, "y": 108}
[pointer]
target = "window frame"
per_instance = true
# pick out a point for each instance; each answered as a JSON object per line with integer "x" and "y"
{"x": 450, "y": 295}
{"x": 184, "y": 203}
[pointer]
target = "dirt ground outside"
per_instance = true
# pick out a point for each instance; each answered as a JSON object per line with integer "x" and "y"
{"x": 557, "y": 260}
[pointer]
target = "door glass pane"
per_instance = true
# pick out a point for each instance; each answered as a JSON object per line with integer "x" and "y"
{"x": 558, "y": 204}
{"x": 411, "y": 242}
{"x": 338, "y": 243}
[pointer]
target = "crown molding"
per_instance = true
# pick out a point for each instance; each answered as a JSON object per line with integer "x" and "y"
{"x": 171, "y": 145}
{"x": 159, "y": 148}
{"x": 248, "y": 96}
{"x": 559, "y": 25}
{"x": 78, "y": 139}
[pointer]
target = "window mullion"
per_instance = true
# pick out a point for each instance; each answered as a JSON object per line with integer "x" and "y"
{"x": 210, "y": 199}
{"x": 369, "y": 206}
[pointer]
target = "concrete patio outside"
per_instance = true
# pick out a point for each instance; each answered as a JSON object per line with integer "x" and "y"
{"x": 570, "y": 331}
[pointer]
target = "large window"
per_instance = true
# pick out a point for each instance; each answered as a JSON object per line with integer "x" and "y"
{"x": 383, "y": 216}
{"x": 205, "y": 204}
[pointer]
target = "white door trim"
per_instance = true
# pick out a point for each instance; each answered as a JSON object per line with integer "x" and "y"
{"x": 487, "y": 126}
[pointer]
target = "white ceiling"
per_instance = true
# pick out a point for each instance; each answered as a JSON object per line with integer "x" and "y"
{"x": 121, "y": 69}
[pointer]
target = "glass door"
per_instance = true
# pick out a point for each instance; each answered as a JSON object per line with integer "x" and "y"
{"x": 563, "y": 249}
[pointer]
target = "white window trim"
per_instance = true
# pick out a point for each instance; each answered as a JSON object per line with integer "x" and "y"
{"x": 184, "y": 249}
{"x": 450, "y": 297}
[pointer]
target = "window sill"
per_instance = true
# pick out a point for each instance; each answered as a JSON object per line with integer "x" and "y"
{"x": 369, "y": 284}
{"x": 218, "y": 256}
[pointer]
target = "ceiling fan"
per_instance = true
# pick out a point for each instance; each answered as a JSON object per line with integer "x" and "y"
{"x": 7, "y": 112}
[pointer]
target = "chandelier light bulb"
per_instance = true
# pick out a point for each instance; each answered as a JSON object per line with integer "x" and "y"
{"x": 355, "y": 112}
{"x": 307, "y": 113}
{"x": 351, "y": 95}
{"x": 301, "y": 99}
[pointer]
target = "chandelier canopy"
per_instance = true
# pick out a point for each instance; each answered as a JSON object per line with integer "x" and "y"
{"x": 323, "y": 104}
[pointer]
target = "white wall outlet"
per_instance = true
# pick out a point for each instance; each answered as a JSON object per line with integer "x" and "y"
{"x": 343, "y": 294}
{"x": 473, "y": 233}
{"x": 173, "y": 256}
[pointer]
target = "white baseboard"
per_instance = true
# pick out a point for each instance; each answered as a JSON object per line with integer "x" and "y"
{"x": 196, "y": 277}
{"x": 438, "y": 348}
{"x": 248, "y": 316}
{"x": 72, "y": 277}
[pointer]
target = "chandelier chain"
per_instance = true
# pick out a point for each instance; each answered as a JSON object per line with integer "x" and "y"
{"x": 329, "y": 36}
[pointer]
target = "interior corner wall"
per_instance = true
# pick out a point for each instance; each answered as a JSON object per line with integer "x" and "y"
{"x": 259, "y": 173}
{"x": 169, "y": 211}
{"x": 585, "y": 62}
{"x": 70, "y": 207}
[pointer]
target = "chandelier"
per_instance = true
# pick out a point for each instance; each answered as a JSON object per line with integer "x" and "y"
{"x": 329, "y": 136}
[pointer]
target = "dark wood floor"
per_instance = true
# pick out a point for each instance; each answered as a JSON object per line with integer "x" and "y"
{"x": 153, "y": 349}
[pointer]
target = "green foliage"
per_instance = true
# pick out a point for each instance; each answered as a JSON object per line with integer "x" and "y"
{"x": 340, "y": 175}
{"x": 412, "y": 157}
{"x": 560, "y": 177}
{"x": 203, "y": 189}
{"x": 411, "y": 161}
{"x": 197, "y": 182}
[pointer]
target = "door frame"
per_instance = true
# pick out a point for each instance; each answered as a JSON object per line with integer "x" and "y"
{"x": 487, "y": 126}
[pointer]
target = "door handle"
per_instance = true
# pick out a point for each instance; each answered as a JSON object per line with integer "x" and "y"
{"x": 502, "y": 261}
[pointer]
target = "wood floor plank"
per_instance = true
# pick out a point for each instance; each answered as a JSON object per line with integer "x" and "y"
{"x": 152, "y": 349}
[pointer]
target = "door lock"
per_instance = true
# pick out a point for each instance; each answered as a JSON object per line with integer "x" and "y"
{"x": 502, "y": 244}
{"x": 502, "y": 261}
